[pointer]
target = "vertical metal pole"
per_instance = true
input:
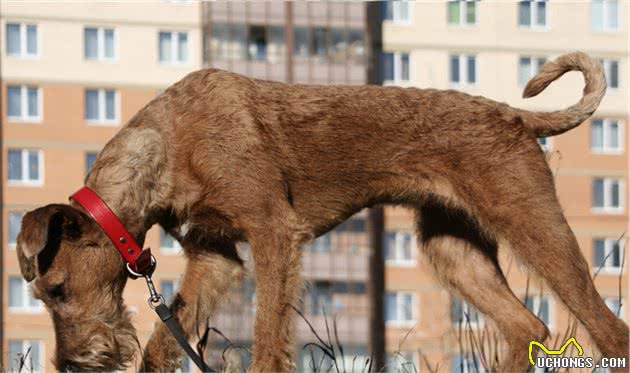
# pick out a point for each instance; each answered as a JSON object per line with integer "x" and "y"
{"x": 288, "y": 38}
{"x": 376, "y": 282}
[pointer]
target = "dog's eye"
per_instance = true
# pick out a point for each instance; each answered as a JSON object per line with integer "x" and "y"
{"x": 56, "y": 291}
{"x": 88, "y": 244}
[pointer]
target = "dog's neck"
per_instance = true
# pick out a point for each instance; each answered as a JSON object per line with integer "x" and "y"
{"x": 130, "y": 177}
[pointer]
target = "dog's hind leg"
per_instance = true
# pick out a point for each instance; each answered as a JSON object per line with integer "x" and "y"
{"x": 544, "y": 241}
{"x": 467, "y": 263}
{"x": 208, "y": 277}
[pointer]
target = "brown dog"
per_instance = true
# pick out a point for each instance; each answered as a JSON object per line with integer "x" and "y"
{"x": 219, "y": 158}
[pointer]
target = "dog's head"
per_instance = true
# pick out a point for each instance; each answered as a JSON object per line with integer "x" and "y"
{"x": 76, "y": 271}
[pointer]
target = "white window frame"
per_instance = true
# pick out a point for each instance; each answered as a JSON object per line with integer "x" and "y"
{"x": 467, "y": 308}
{"x": 12, "y": 245}
{"x": 533, "y": 17}
{"x": 398, "y": 322}
{"x": 100, "y": 40}
{"x": 622, "y": 305}
{"x": 102, "y": 105}
{"x": 165, "y": 250}
{"x": 463, "y": 70}
{"x": 607, "y": 208}
{"x": 605, "y": 20}
{"x": 26, "y": 296}
{"x": 606, "y": 64}
{"x": 536, "y": 307}
{"x": 396, "y": 13}
{"x": 462, "y": 13}
{"x": 26, "y": 344}
{"x": 398, "y": 80}
{"x": 27, "y": 182}
{"x": 546, "y": 147}
{"x": 606, "y": 124}
{"x": 175, "y": 48}
{"x": 609, "y": 244}
{"x": 399, "y": 248}
{"x": 534, "y": 67}
{"x": 23, "y": 40}
{"x": 24, "y": 117}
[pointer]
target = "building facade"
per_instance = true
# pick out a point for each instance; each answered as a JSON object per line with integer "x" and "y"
{"x": 492, "y": 49}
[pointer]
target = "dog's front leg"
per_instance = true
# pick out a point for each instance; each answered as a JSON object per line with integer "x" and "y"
{"x": 209, "y": 275}
{"x": 276, "y": 254}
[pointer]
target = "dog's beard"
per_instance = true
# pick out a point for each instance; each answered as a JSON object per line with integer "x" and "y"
{"x": 107, "y": 347}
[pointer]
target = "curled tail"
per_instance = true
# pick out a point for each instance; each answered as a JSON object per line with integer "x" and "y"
{"x": 556, "y": 122}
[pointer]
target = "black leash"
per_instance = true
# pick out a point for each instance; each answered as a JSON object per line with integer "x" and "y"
{"x": 156, "y": 302}
{"x": 165, "y": 315}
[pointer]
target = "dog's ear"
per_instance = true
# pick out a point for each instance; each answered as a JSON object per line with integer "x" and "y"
{"x": 41, "y": 234}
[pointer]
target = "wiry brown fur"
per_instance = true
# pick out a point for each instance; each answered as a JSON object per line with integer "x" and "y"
{"x": 220, "y": 158}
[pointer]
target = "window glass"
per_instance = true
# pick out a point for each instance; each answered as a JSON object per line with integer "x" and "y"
{"x": 598, "y": 193}
{"x": 276, "y": 46}
{"x": 91, "y": 43}
{"x": 472, "y": 70}
{"x": 166, "y": 47}
{"x": 13, "y": 39}
{"x": 109, "y": 43}
{"x": 598, "y": 253}
{"x": 300, "y": 41}
{"x": 388, "y": 66}
{"x": 319, "y": 42}
{"x": 31, "y": 39}
{"x": 15, "y": 221}
{"x": 110, "y": 105}
{"x": 14, "y": 101}
{"x": 471, "y": 12}
{"x": 454, "y": 64}
{"x": 453, "y": 12}
{"x": 541, "y": 13}
{"x": 33, "y": 101}
{"x": 15, "y": 165}
{"x": 613, "y": 135}
{"x": 90, "y": 157}
{"x": 182, "y": 47}
{"x": 597, "y": 134}
{"x": 91, "y": 104}
{"x": 524, "y": 13}
{"x": 16, "y": 292}
{"x": 33, "y": 165}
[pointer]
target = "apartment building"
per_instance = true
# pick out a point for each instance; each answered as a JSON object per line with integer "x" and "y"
{"x": 492, "y": 49}
{"x": 72, "y": 74}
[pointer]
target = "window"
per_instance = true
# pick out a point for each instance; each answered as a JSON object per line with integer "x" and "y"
{"x": 319, "y": 43}
{"x": 168, "y": 289}
{"x": 464, "y": 314}
{"x": 168, "y": 244}
{"x": 321, "y": 298}
{"x": 532, "y": 13}
{"x": 611, "y": 69}
{"x": 300, "y": 42}
{"x": 396, "y": 67}
{"x": 20, "y": 297}
{"x": 400, "y": 362}
{"x": 545, "y": 143}
{"x": 400, "y": 248}
{"x": 616, "y": 305}
{"x": 339, "y": 45}
{"x": 463, "y": 69}
{"x": 321, "y": 244}
{"x": 277, "y": 46}
{"x": 607, "y": 194}
{"x": 356, "y": 46}
{"x": 99, "y": 43}
{"x": 606, "y": 136}
{"x": 28, "y": 350}
{"x": 607, "y": 254}
{"x": 528, "y": 67}
{"x": 604, "y": 15}
{"x": 397, "y": 11}
{"x": 256, "y": 43}
{"x": 462, "y": 12}
{"x": 539, "y": 306}
{"x": 173, "y": 47}
{"x": 15, "y": 222}
{"x": 90, "y": 157}
{"x": 399, "y": 307}
{"x": 22, "y": 40}
{"x": 25, "y": 166}
{"x": 101, "y": 106}
{"x": 466, "y": 364}
{"x": 24, "y": 103}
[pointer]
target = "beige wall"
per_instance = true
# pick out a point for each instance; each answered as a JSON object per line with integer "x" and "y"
{"x": 61, "y": 55}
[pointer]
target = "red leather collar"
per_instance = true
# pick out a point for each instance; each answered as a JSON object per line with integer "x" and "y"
{"x": 138, "y": 260}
